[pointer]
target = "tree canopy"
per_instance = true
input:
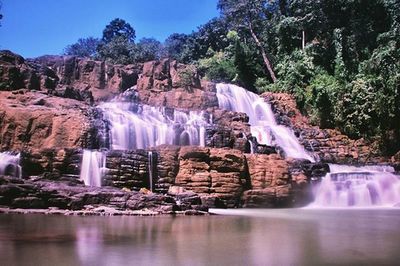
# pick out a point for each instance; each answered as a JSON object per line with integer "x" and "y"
{"x": 118, "y": 28}
{"x": 84, "y": 47}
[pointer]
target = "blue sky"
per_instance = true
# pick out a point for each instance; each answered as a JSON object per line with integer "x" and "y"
{"x": 37, "y": 27}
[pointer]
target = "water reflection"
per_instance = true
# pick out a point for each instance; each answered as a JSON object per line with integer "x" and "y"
{"x": 269, "y": 237}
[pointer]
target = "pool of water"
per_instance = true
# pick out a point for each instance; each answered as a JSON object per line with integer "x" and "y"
{"x": 239, "y": 237}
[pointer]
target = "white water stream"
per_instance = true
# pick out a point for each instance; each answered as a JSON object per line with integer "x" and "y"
{"x": 261, "y": 119}
{"x": 93, "y": 166}
{"x": 349, "y": 186}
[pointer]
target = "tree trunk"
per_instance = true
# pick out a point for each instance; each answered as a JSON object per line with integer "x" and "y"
{"x": 303, "y": 43}
{"x": 264, "y": 54}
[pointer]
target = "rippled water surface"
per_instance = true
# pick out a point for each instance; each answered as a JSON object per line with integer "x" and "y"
{"x": 240, "y": 237}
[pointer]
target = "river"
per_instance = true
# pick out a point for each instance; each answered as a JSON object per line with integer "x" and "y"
{"x": 239, "y": 237}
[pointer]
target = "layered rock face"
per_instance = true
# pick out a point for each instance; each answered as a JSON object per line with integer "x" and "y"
{"x": 270, "y": 181}
{"x": 218, "y": 173}
{"x": 221, "y": 177}
{"x": 66, "y": 76}
{"x": 168, "y": 83}
{"x": 33, "y": 120}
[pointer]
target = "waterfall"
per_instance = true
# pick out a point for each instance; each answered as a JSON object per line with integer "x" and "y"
{"x": 93, "y": 166}
{"x": 261, "y": 119}
{"x": 136, "y": 126}
{"x": 366, "y": 186}
{"x": 10, "y": 164}
{"x": 152, "y": 167}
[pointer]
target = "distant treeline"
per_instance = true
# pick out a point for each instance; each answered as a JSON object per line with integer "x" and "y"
{"x": 339, "y": 58}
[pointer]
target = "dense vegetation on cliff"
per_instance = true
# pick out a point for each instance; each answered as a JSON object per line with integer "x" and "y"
{"x": 339, "y": 58}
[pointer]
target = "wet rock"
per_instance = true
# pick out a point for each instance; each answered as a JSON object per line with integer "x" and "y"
{"x": 28, "y": 203}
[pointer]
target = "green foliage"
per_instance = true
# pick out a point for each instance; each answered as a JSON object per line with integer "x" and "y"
{"x": 118, "y": 28}
{"x": 218, "y": 67}
{"x": 178, "y": 46}
{"x": 84, "y": 47}
{"x": 148, "y": 49}
{"x": 296, "y": 71}
{"x": 321, "y": 97}
{"x": 359, "y": 104}
{"x": 118, "y": 51}
{"x": 187, "y": 76}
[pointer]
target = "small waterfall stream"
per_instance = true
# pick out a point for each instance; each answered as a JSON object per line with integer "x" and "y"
{"x": 350, "y": 186}
{"x": 10, "y": 164}
{"x": 93, "y": 165}
{"x": 261, "y": 119}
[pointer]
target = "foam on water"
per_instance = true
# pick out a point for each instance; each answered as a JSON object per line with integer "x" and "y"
{"x": 350, "y": 186}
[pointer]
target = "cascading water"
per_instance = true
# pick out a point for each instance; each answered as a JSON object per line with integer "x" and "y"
{"x": 261, "y": 119}
{"x": 93, "y": 166}
{"x": 9, "y": 164}
{"x": 136, "y": 126}
{"x": 349, "y": 186}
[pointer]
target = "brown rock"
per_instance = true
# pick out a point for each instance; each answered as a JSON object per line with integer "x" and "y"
{"x": 267, "y": 171}
{"x": 32, "y": 120}
{"x": 49, "y": 73}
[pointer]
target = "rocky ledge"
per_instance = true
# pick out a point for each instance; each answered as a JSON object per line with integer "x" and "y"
{"x": 73, "y": 198}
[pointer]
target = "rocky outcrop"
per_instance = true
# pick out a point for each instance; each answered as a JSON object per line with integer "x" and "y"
{"x": 270, "y": 182}
{"x": 127, "y": 169}
{"x": 42, "y": 194}
{"x": 328, "y": 144}
{"x": 219, "y": 173}
{"x": 167, "y": 167}
{"x": 52, "y": 163}
{"x": 66, "y": 76}
{"x": 33, "y": 120}
{"x": 168, "y": 83}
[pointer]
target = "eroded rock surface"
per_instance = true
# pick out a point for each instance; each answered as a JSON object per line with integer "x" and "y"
{"x": 33, "y": 120}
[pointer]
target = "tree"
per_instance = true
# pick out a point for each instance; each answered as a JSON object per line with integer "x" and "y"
{"x": 175, "y": 45}
{"x": 118, "y": 28}
{"x": 148, "y": 49}
{"x": 212, "y": 35}
{"x": 117, "y": 51}
{"x": 247, "y": 14}
{"x": 84, "y": 47}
